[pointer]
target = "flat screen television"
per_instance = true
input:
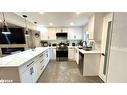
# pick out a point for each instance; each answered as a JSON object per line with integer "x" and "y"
{"x": 16, "y": 36}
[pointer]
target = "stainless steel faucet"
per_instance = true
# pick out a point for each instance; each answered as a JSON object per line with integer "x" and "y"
{"x": 85, "y": 43}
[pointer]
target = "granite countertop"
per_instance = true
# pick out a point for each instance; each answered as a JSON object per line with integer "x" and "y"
{"x": 18, "y": 59}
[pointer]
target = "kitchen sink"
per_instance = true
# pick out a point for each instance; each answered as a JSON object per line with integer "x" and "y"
{"x": 87, "y": 48}
{"x": 80, "y": 48}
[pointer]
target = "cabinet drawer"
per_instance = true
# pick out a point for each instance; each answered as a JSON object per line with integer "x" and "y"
{"x": 26, "y": 66}
{"x": 40, "y": 56}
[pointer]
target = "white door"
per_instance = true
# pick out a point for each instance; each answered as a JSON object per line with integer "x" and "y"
{"x": 106, "y": 37}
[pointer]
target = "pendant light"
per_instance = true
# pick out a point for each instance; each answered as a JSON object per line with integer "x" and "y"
{"x": 5, "y": 29}
{"x": 26, "y": 28}
{"x": 36, "y": 34}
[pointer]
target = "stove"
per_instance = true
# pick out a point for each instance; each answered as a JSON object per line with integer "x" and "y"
{"x": 62, "y": 52}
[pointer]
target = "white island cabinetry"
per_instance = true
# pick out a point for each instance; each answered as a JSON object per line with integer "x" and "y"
{"x": 91, "y": 62}
{"x": 25, "y": 67}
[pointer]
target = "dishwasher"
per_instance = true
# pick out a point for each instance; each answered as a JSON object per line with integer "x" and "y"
{"x": 81, "y": 61}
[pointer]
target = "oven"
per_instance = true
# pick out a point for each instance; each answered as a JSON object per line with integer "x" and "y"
{"x": 62, "y": 52}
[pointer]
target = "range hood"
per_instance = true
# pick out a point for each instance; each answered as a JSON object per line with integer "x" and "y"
{"x": 61, "y": 34}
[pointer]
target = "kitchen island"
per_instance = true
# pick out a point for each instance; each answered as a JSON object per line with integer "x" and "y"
{"x": 25, "y": 66}
{"x": 89, "y": 62}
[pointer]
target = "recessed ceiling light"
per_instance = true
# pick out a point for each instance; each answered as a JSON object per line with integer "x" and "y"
{"x": 50, "y": 23}
{"x": 41, "y": 12}
{"x": 71, "y": 23}
{"x": 77, "y": 13}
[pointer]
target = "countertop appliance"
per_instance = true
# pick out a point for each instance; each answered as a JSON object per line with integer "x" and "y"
{"x": 44, "y": 43}
{"x": 81, "y": 61}
{"x": 54, "y": 44}
{"x": 62, "y": 52}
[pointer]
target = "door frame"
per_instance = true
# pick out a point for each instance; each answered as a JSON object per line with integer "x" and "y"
{"x": 106, "y": 20}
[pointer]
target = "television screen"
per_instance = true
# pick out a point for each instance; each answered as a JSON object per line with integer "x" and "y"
{"x": 15, "y": 36}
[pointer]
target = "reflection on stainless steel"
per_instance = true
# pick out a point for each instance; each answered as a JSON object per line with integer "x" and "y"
{"x": 81, "y": 61}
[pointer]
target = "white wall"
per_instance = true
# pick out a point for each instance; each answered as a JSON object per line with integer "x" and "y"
{"x": 85, "y": 29}
{"x": 118, "y": 54}
{"x": 91, "y": 27}
{"x": 98, "y": 27}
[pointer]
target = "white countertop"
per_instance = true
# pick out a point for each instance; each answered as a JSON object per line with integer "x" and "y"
{"x": 88, "y": 52}
{"x": 82, "y": 51}
{"x": 18, "y": 59}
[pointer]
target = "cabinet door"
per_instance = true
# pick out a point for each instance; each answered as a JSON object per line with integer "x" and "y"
{"x": 77, "y": 57}
{"x": 27, "y": 76}
{"x": 46, "y": 58}
{"x": 58, "y": 30}
{"x": 35, "y": 72}
{"x": 52, "y": 33}
{"x": 44, "y": 35}
{"x": 71, "y": 54}
{"x": 50, "y": 53}
{"x": 75, "y": 33}
{"x": 71, "y": 34}
{"x": 75, "y": 53}
{"x": 78, "y": 33}
{"x": 53, "y": 53}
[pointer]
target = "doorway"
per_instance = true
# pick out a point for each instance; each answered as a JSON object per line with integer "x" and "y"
{"x": 105, "y": 46}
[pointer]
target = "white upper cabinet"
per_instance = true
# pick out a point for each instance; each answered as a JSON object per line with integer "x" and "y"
{"x": 44, "y": 33}
{"x": 95, "y": 25}
{"x": 78, "y": 33}
{"x": 64, "y": 30}
{"x": 91, "y": 27}
{"x": 70, "y": 34}
{"x": 75, "y": 33}
{"x": 52, "y": 33}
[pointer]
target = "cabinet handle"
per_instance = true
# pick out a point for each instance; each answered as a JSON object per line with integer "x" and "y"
{"x": 30, "y": 64}
{"x": 31, "y": 70}
{"x": 41, "y": 61}
{"x": 42, "y": 67}
{"x": 103, "y": 54}
{"x": 47, "y": 55}
{"x": 41, "y": 55}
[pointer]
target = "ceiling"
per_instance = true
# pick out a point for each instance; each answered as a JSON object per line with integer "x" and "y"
{"x": 57, "y": 18}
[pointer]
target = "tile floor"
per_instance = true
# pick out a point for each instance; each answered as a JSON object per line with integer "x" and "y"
{"x": 65, "y": 72}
